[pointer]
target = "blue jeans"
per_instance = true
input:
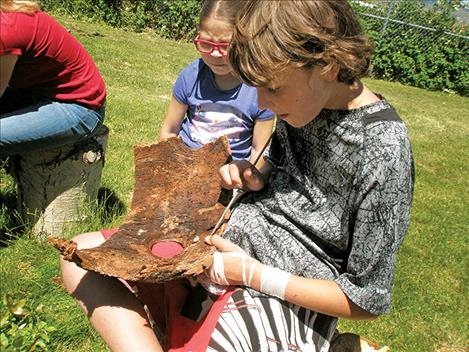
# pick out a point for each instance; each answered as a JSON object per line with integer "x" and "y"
{"x": 29, "y": 122}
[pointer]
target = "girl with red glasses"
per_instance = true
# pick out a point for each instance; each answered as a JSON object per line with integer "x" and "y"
{"x": 209, "y": 100}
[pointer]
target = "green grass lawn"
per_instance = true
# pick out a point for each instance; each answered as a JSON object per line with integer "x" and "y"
{"x": 430, "y": 304}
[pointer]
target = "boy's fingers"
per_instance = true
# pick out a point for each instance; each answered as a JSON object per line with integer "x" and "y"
{"x": 225, "y": 177}
{"x": 253, "y": 178}
{"x": 222, "y": 244}
{"x": 236, "y": 180}
{"x": 240, "y": 174}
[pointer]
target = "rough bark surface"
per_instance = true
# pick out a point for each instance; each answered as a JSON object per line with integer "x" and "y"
{"x": 176, "y": 198}
{"x": 348, "y": 342}
{"x": 54, "y": 185}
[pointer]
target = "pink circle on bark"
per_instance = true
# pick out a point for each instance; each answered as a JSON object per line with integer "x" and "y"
{"x": 166, "y": 249}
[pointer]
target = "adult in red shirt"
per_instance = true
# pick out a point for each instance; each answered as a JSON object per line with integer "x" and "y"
{"x": 51, "y": 93}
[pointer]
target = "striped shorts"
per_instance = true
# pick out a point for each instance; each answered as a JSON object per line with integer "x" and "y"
{"x": 266, "y": 324}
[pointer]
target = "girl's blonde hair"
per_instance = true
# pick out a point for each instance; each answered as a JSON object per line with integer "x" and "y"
{"x": 270, "y": 36}
{"x": 220, "y": 9}
{"x": 25, "y": 6}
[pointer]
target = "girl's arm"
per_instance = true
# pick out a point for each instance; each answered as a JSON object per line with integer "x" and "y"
{"x": 261, "y": 134}
{"x": 323, "y": 296}
{"x": 173, "y": 120}
{"x": 7, "y": 64}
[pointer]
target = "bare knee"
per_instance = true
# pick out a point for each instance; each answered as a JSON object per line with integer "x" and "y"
{"x": 71, "y": 273}
{"x": 88, "y": 240}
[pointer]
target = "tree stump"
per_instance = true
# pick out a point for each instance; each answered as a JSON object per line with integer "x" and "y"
{"x": 348, "y": 342}
{"x": 54, "y": 185}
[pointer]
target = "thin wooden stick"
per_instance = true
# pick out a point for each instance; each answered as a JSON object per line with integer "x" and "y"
{"x": 258, "y": 157}
{"x": 239, "y": 192}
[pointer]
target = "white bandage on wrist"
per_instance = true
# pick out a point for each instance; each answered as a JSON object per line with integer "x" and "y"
{"x": 217, "y": 272}
{"x": 274, "y": 282}
{"x": 218, "y": 269}
{"x": 251, "y": 274}
{"x": 243, "y": 268}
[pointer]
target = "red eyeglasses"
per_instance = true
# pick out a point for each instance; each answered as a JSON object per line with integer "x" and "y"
{"x": 207, "y": 47}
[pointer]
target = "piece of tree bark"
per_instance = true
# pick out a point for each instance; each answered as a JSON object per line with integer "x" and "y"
{"x": 176, "y": 198}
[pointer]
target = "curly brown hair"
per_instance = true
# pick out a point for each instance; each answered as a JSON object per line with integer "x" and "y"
{"x": 270, "y": 36}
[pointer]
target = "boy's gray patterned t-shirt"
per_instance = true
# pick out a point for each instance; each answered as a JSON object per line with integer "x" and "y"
{"x": 338, "y": 202}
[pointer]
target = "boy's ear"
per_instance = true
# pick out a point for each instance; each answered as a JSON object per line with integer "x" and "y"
{"x": 331, "y": 72}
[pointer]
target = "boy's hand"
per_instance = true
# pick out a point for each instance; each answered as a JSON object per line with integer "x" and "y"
{"x": 241, "y": 174}
{"x": 232, "y": 266}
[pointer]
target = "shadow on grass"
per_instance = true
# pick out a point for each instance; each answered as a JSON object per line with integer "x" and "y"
{"x": 108, "y": 207}
{"x": 111, "y": 206}
{"x": 11, "y": 225}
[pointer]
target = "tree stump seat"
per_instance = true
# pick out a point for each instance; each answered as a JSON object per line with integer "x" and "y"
{"x": 54, "y": 185}
{"x": 349, "y": 342}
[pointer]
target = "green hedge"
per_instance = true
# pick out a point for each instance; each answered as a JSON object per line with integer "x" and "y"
{"x": 415, "y": 56}
{"x": 430, "y": 60}
{"x": 175, "y": 19}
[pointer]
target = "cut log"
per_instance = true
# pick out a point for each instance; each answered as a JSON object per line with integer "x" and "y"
{"x": 348, "y": 342}
{"x": 54, "y": 185}
{"x": 175, "y": 204}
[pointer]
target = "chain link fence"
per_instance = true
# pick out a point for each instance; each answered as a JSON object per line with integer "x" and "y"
{"x": 417, "y": 44}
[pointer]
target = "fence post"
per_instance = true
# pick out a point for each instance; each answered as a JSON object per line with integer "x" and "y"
{"x": 388, "y": 15}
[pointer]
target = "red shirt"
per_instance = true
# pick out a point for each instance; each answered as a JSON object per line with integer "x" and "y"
{"x": 51, "y": 62}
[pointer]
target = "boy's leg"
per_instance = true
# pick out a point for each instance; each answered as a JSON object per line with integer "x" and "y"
{"x": 113, "y": 310}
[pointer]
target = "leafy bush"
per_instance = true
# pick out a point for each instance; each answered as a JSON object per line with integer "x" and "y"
{"x": 407, "y": 54}
{"x": 414, "y": 55}
{"x": 107, "y": 11}
{"x": 21, "y": 327}
{"x": 175, "y": 19}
